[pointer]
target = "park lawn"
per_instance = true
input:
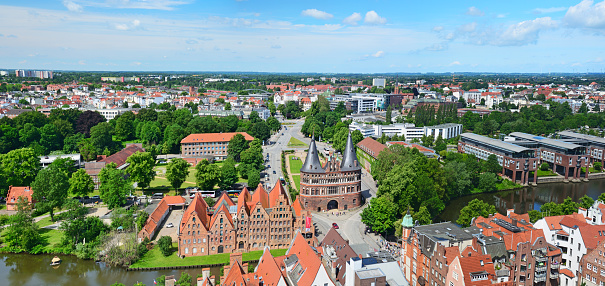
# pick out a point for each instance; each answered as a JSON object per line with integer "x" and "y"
{"x": 52, "y": 237}
{"x": 295, "y": 165}
{"x": 296, "y": 179}
{"x": 296, "y": 143}
{"x": 591, "y": 169}
{"x": 547, "y": 173}
{"x": 154, "y": 258}
{"x": 45, "y": 221}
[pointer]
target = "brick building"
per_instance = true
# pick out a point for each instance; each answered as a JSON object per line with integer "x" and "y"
{"x": 257, "y": 220}
{"x": 94, "y": 168}
{"x": 592, "y": 267}
{"x": 336, "y": 185}
{"x": 208, "y": 145}
{"x": 14, "y": 193}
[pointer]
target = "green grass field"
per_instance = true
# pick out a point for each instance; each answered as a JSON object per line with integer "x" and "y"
{"x": 296, "y": 179}
{"x": 295, "y": 165}
{"x": 296, "y": 143}
{"x": 547, "y": 173}
{"x": 154, "y": 258}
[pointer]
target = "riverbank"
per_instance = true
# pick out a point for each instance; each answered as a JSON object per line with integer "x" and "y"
{"x": 154, "y": 259}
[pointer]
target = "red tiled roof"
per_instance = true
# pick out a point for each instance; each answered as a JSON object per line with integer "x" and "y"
{"x": 15, "y": 192}
{"x": 307, "y": 257}
{"x": 277, "y": 192}
{"x": 592, "y": 235}
{"x": 567, "y": 272}
{"x": 267, "y": 269}
{"x": 224, "y": 199}
{"x": 243, "y": 197}
{"x": 224, "y": 210}
{"x": 261, "y": 196}
{"x": 371, "y": 146}
{"x": 174, "y": 200}
{"x": 198, "y": 206}
{"x": 121, "y": 157}
{"x": 214, "y": 137}
{"x": 154, "y": 219}
{"x": 474, "y": 264}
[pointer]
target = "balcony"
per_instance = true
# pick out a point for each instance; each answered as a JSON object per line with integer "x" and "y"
{"x": 541, "y": 268}
{"x": 555, "y": 266}
{"x": 540, "y": 278}
{"x": 541, "y": 258}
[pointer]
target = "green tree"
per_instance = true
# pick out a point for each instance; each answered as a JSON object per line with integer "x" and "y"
{"x": 29, "y": 133}
{"x": 487, "y": 182}
{"x": 50, "y": 138}
{"x": 100, "y": 136}
{"x": 491, "y": 165}
{"x": 253, "y": 178}
{"x": 207, "y": 175}
{"x": 534, "y": 216}
{"x": 228, "y": 106}
{"x": 380, "y": 214}
{"x": 176, "y": 172}
{"x": 19, "y": 168}
{"x": 260, "y": 130}
{"x": 228, "y": 174}
{"x": 125, "y": 129}
{"x": 389, "y": 115}
{"x": 586, "y": 202}
{"x": 141, "y": 168}
{"x": 114, "y": 186}
{"x": 22, "y": 231}
{"x": 173, "y": 135}
{"x": 88, "y": 119}
{"x": 80, "y": 183}
{"x": 50, "y": 189}
{"x": 597, "y": 166}
{"x": 141, "y": 219}
{"x": 165, "y": 245}
{"x": 544, "y": 166}
{"x": 273, "y": 123}
{"x": 423, "y": 216}
{"x": 184, "y": 280}
{"x": 475, "y": 208}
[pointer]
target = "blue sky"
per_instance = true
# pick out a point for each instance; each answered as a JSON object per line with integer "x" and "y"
{"x": 304, "y": 36}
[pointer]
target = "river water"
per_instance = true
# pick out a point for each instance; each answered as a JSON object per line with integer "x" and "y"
{"x": 34, "y": 270}
{"x": 528, "y": 198}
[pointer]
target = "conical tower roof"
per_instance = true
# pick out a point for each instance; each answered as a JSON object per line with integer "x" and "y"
{"x": 312, "y": 164}
{"x": 349, "y": 157}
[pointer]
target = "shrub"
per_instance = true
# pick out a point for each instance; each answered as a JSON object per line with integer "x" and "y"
{"x": 597, "y": 166}
{"x": 544, "y": 167}
{"x": 165, "y": 245}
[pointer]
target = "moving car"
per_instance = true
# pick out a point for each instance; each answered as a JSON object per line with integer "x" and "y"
{"x": 169, "y": 225}
{"x": 334, "y": 225}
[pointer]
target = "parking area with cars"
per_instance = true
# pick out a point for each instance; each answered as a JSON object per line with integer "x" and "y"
{"x": 170, "y": 227}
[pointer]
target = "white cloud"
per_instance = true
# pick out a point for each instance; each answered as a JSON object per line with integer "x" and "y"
{"x": 455, "y": 63}
{"x": 501, "y": 16}
{"x": 135, "y": 63}
{"x": 474, "y": 11}
{"x": 378, "y": 54}
{"x": 82, "y": 62}
{"x": 330, "y": 27}
{"x": 437, "y": 47}
{"x": 121, "y": 27}
{"x": 519, "y": 34}
{"x": 372, "y": 18}
{"x": 525, "y": 32}
{"x": 317, "y": 14}
{"x": 167, "y": 5}
{"x": 73, "y": 7}
{"x": 586, "y": 15}
{"x": 438, "y": 28}
{"x": 548, "y": 10}
{"x": 136, "y": 23}
{"x": 353, "y": 19}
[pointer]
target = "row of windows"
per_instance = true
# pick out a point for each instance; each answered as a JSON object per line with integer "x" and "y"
{"x": 206, "y": 143}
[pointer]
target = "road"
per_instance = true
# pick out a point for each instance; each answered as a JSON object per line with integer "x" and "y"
{"x": 350, "y": 226}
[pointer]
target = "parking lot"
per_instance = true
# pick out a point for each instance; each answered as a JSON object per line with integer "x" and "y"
{"x": 174, "y": 217}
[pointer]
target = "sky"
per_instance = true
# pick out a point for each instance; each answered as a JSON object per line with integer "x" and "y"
{"x": 304, "y": 36}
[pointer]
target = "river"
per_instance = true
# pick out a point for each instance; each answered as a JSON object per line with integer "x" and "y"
{"x": 526, "y": 199}
{"x": 34, "y": 270}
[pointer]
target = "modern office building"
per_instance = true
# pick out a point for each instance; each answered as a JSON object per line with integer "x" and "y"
{"x": 408, "y": 130}
{"x": 595, "y": 146}
{"x": 564, "y": 157}
{"x": 515, "y": 160}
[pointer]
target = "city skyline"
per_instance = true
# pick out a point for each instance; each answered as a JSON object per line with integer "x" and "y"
{"x": 314, "y": 36}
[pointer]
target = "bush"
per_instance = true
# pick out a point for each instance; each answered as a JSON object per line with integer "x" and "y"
{"x": 165, "y": 245}
{"x": 544, "y": 167}
{"x": 597, "y": 166}
{"x": 185, "y": 279}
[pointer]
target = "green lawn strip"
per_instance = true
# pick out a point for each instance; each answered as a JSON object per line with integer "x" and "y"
{"x": 52, "y": 238}
{"x": 45, "y": 221}
{"x": 547, "y": 173}
{"x": 154, "y": 258}
{"x": 506, "y": 184}
{"x": 295, "y": 165}
{"x": 296, "y": 179}
{"x": 296, "y": 143}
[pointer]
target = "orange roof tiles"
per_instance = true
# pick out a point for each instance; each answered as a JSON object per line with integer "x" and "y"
{"x": 121, "y": 157}
{"x": 267, "y": 269}
{"x": 307, "y": 257}
{"x": 214, "y": 137}
{"x": 474, "y": 264}
{"x": 261, "y": 196}
{"x": 174, "y": 200}
{"x": 567, "y": 272}
{"x": 371, "y": 146}
{"x": 199, "y": 206}
{"x": 15, "y": 192}
{"x": 277, "y": 192}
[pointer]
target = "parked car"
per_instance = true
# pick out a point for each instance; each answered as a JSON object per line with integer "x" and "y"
{"x": 334, "y": 225}
{"x": 274, "y": 172}
{"x": 158, "y": 196}
{"x": 169, "y": 225}
{"x": 96, "y": 198}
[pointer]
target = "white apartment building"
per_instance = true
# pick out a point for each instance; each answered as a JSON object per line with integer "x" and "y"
{"x": 409, "y": 130}
{"x": 575, "y": 235}
{"x": 379, "y": 82}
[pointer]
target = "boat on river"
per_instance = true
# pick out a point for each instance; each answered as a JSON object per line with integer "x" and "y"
{"x": 56, "y": 261}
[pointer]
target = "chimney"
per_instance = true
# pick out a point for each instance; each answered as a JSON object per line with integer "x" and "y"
{"x": 235, "y": 257}
{"x": 245, "y": 266}
{"x": 514, "y": 222}
{"x": 510, "y": 211}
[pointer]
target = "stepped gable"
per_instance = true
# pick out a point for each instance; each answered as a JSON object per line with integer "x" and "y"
{"x": 224, "y": 199}
{"x": 244, "y": 196}
{"x": 261, "y": 196}
{"x": 297, "y": 206}
{"x": 223, "y": 209}
{"x": 277, "y": 192}
{"x": 312, "y": 163}
{"x": 349, "y": 157}
{"x": 198, "y": 206}
{"x": 235, "y": 276}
